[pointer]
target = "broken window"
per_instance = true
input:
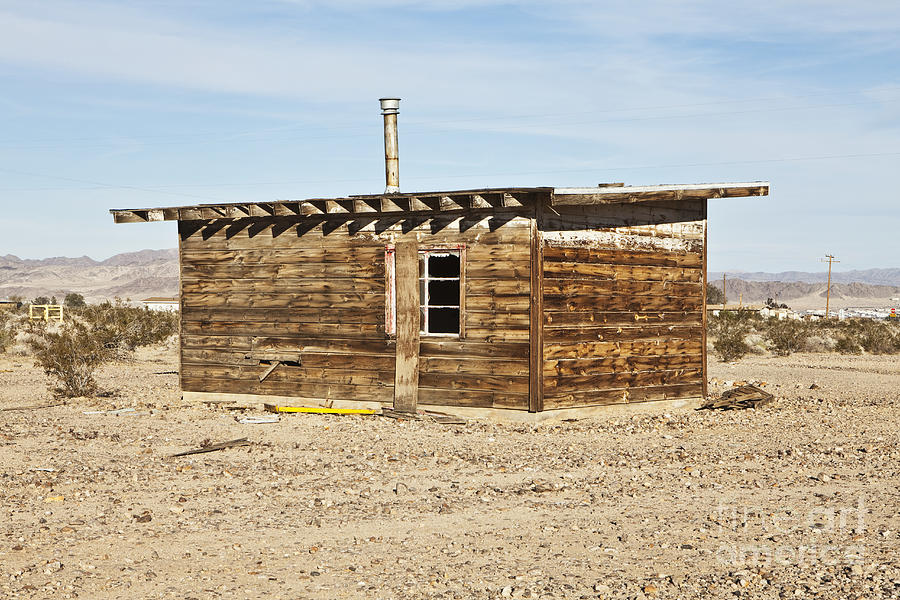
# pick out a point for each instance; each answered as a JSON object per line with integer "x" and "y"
{"x": 439, "y": 276}
{"x": 440, "y": 291}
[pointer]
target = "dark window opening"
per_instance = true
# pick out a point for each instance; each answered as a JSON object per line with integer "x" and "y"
{"x": 443, "y": 320}
{"x": 439, "y": 293}
{"x": 443, "y": 265}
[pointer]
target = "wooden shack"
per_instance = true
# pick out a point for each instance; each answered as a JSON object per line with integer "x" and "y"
{"x": 516, "y": 299}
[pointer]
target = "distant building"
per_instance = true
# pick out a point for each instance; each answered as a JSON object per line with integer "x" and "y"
{"x": 778, "y": 313}
{"x": 9, "y": 304}
{"x": 161, "y": 303}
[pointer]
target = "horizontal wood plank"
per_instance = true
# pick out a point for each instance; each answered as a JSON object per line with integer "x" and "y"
{"x": 574, "y": 319}
{"x": 587, "y": 287}
{"x": 206, "y": 272}
{"x": 434, "y": 347}
{"x": 623, "y": 396}
{"x": 473, "y": 366}
{"x": 354, "y": 300}
{"x": 598, "y": 365}
{"x": 288, "y": 388}
{"x": 301, "y": 375}
{"x": 310, "y": 285}
{"x": 620, "y": 349}
{"x": 272, "y": 328}
{"x": 570, "y": 270}
{"x": 335, "y": 315}
{"x": 623, "y": 257}
{"x": 473, "y": 398}
{"x": 459, "y": 381}
{"x": 585, "y": 383}
{"x": 274, "y": 257}
{"x": 615, "y": 302}
{"x": 662, "y": 333}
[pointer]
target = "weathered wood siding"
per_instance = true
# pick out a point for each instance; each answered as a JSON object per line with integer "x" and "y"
{"x": 623, "y": 303}
{"x": 315, "y": 288}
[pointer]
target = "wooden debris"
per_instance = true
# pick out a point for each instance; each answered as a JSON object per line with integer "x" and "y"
{"x": 214, "y": 447}
{"x": 34, "y": 407}
{"x": 745, "y": 396}
{"x": 423, "y": 415}
{"x": 258, "y": 420}
{"x": 268, "y": 371}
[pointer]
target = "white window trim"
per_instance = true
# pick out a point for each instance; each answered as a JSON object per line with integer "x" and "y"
{"x": 390, "y": 305}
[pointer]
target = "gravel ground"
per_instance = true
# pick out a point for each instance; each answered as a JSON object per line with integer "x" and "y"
{"x": 795, "y": 500}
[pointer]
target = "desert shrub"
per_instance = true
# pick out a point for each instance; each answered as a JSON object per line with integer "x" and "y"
{"x": 71, "y": 352}
{"x": 714, "y": 295}
{"x": 731, "y": 330}
{"x": 74, "y": 301}
{"x": 70, "y": 355}
{"x": 40, "y": 300}
{"x": 847, "y": 344}
{"x": 786, "y": 336}
{"x": 8, "y": 329}
{"x": 122, "y": 328}
{"x": 877, "y": 338}
{"x": 819, "y": 343}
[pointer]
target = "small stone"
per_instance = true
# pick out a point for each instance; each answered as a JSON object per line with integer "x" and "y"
{"x": 506, "y": 592}
{"x": 53, "y": 567}
{"x": 650, "y": 589}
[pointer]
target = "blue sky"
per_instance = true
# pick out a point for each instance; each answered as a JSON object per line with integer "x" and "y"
{"x": 133, "y": 104}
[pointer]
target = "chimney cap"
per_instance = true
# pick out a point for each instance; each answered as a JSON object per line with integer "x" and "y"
{"x": 390, "y": 106}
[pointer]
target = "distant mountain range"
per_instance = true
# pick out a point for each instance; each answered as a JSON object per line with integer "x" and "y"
{"x": 132, "y": 275}
{"x": 871, "y": 276}
{"x": 802, "y": 296}
{"x": 138, "y": 275}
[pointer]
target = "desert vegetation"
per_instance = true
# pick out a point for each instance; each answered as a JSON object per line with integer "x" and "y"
{"x": 91, "y": 335}
{"x": 734, "y": 334}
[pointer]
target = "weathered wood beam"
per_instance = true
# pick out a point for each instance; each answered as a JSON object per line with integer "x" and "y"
{"x": 622, "y": 195}
{"x": 406, "y": 368}
{"x": 437, "y": 202}
{"x": 536, "y": 313}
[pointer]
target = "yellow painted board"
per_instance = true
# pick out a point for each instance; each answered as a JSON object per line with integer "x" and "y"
{"x": 319, "y": 410}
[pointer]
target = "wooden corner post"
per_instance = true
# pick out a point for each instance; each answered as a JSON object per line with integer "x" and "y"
{"x": 704, "y": 316}
{"x": 536, "y": 309}
{"x": 406, "y": 366}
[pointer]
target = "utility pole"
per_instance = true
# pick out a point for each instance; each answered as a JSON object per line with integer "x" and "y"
{"x": 829, "y": 258}
{"x": 724, "y": 293}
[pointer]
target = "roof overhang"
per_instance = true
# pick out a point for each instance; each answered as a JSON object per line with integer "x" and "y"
{"x": 621, "y": 194}
{"x": 435, "y": 202}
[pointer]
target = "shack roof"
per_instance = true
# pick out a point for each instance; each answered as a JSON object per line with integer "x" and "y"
{"x": 430, "y": 202}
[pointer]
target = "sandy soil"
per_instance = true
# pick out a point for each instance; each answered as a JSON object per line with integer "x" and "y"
{"x": 796, "y": 500}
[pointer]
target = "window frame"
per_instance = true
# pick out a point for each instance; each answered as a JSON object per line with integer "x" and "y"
{"x": 390, "y": 310}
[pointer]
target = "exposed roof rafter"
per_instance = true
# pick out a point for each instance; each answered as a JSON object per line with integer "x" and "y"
{"x": 439, "y": 202}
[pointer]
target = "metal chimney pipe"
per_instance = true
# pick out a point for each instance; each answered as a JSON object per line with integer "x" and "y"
{"x": 390, "y": 108}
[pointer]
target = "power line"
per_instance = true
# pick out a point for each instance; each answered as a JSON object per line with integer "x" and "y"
{"x": 829, "y": 258}
{"x": 364, "y": 131}
{"x": 590, "y": 169}
{"x": 101, "y": 185}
